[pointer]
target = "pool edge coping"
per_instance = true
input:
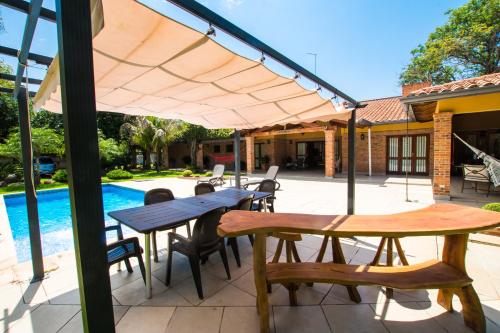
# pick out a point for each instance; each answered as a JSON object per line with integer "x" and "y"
{"x": 8, "y": 254}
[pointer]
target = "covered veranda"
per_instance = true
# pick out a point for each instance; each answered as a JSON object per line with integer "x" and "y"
{"x": 143, "y": 63}
{"x": 77, "y": 67}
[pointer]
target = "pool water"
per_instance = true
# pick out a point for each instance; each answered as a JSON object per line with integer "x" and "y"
{"x": 55, "y": 217}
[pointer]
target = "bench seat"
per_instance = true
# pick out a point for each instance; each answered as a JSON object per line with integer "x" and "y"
{"x": 431, "y": 274}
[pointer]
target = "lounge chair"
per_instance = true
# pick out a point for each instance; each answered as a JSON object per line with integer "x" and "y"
{"x": 217, "y": 177}
{"x": 123, "y": 250}
{"x": 271, "y": 174}
{"x": 269, "y": 186}
{"x": 204, "y": 242}
{"x": 476, "y": 174}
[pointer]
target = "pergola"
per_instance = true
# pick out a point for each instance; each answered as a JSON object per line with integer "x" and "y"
{"x": 99, "y": 68}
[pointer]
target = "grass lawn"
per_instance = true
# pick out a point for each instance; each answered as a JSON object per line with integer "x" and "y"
{"x": 148, "y": 174}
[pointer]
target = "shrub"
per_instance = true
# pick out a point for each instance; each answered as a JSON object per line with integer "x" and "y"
{"x": 119, "y": 174}
{"x": 208, "y": 174}
{"x": 60, "y": 176}
{"x": 9, "y": 168}
{"x": 187, "y": 173}
{"x": 494, "y": 206}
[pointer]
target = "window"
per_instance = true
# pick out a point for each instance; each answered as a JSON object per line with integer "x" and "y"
{"x": 216, "y": 148}
{"x": 229, "y": 148}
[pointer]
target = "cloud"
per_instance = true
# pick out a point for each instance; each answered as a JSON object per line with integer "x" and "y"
{"x": 232, "y": 3}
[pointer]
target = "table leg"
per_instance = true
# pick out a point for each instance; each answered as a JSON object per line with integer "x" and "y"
{"x": 147, "y": 253}
{"x": 265, "y": 205}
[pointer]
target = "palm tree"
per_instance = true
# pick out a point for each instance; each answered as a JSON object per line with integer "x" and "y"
{"x": 151, "y": 135}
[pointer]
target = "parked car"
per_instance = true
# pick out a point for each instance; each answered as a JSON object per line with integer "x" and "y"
{"x": 44, "y": 165}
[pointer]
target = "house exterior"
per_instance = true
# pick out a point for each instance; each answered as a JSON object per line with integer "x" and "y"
{"x": 408, "y": 133}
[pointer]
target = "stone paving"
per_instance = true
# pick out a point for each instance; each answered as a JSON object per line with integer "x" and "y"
{"x": 52, "y": 305}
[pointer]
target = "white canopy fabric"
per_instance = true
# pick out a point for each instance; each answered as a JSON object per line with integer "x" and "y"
{"x": 148, "y": 64}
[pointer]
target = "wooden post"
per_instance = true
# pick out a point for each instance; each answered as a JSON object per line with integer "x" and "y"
{"x": 82, "y": 155}
{"x": 29, "y": 186}
{"x": 259, "y": 269}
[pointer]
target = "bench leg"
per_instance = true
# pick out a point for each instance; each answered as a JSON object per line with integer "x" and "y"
{"x": 444, "y": 299}
{"x": 389, "y": 292}
{"x": 401, "y": 253}
{"x": 471, "y": 309}
{"x": 454, "y": 250}
{"x": 292, "y": 287}
{"x": 259, "y": 268}
{"x": 338, "y": 258}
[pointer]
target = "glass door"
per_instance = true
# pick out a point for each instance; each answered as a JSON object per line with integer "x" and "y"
{"x": 258, "y": 155}
{"x": 408, "y": 154}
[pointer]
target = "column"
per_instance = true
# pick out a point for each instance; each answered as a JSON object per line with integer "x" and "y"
{"x": 330, "y": 152}
{"x": 442, "y": 154}
{"x": 250, "y": 141}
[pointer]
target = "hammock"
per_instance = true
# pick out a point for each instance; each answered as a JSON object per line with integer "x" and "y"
{"x": 491, "y": 163}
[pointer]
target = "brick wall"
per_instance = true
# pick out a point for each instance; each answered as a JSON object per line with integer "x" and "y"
{"x": 250, "y": 152}
{"x": 442, "y": 153}
{"x": 379, "y": 147}
{"x": 330, "y": 153}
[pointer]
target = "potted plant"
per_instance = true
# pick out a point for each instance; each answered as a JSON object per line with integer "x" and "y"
{"x": 266, "y": 161}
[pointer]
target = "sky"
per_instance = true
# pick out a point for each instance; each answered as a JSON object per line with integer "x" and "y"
{"x": 361, "y": 45}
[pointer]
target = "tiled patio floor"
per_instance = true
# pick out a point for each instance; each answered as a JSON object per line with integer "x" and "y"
{"x": 229, "y": 306}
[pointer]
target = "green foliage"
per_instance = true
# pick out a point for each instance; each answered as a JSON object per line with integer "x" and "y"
{"x": 46, "y": 119}
{"x": 8, "y": 105}
{"x": 119, "y": 174}
{"x": 208, "y": 174}
{"x": 9, "y": 168}
{"x": 109, "y": 124}
{"x": 45, "y": 141}
{"x": 494, "y": 206}
{"x": 187, "y": 173}
{"x": 111, "y": 152}
{"x": 467, "y": 45}
{"x": 60, "y": 176}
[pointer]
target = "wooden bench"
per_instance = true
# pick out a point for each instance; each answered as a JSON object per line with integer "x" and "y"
{"x": 448, "y": 275}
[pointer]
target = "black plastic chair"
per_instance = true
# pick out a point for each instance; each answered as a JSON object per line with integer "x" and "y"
{"x": 203, "y": 188}
{"x": 123, "y": 250}
{"x": 243, "y": 204}
{"x": 204, "y": 242}
{"x": 154, "y": 196}
{"x": 269, "y": 186}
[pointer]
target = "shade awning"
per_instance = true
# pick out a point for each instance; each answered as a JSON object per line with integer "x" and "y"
{"x": 148, "y": 64}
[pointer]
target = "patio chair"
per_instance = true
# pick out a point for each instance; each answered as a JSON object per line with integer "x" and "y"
{"x": 269, "y": 186}
{"x": 123, "y": 250}
{"x": 217, "y": 177}
{"x": 204, "y": 242}
{"x": 154, "y": 196}
{"x": 243, "y": 204}
{"x": 476, "y": 174}
{"x": 203, "y": 188}
{"x": 271, "y": 174}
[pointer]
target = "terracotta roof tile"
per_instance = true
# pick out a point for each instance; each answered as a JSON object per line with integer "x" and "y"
{"x": 475, "y": 82}
{"x": 382, "y": 110}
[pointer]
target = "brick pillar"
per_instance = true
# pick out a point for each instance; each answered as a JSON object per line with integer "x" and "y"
{"x": 330, "y": 152}
{"x": 442, "y": 154}
{"x": 250, "y": 141}
{"x": 199, "y": 156}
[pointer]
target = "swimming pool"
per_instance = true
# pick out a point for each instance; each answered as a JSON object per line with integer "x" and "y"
{"x": 55, "y": 217}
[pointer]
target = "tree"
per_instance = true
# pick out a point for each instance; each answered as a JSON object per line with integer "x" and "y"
{"x": 46, "y": 119}
{"x": 467, "y": 45}
{"x": 109, "y": 123}
{"x": 194, "y": 134}
{"x": 151, "y": 135}
{"x": 111, "y": 152}
{"x": 45, "y": 141}
{"x": 8, "y": 105}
